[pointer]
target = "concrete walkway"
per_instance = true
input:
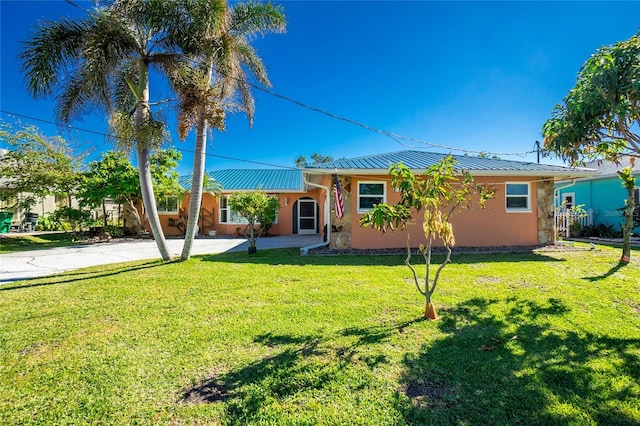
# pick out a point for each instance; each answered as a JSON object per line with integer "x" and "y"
{"x": 39, "y": 263}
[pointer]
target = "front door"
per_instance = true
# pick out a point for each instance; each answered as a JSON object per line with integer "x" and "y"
{"x": 307, "y": 216}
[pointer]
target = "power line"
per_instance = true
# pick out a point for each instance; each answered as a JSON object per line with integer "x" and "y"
{"x": 69, "y": 127}
{"x": 108, "y": 135}
{"x": 396, "y": 137}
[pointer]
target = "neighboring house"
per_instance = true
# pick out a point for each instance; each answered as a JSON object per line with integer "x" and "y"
{"x": 522, "y": 213}
{"x": 602, "y": 193}
{"x": 43, "y": 206}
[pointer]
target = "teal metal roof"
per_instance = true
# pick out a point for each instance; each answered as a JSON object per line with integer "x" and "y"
{"x": 421, "y": 160}
{"x": 269, "y": 180}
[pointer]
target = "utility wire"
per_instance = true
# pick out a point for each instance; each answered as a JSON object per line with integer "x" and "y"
{"x": 108, "y": 135}
{"x": 396, "y": 137}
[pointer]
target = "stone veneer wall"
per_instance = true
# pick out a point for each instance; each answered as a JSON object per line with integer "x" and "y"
{"x": 545, "y": 211}
{"x": 341, "y": 227}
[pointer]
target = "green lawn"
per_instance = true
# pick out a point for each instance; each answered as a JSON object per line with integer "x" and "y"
{"x": 276, "y": 338}
{"x": 11, "y": 243}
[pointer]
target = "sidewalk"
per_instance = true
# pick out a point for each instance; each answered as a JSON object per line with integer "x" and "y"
{"x": 40, "y": 263}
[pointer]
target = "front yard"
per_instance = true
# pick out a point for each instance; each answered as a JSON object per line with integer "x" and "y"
{"x": 275, "y": 338}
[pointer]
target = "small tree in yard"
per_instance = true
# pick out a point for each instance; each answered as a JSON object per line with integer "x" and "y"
{"x": 254, "y": 206}
{"x": 629, "y": 183}
{"x": 114, "y": 177}
{"x": 437, "y": 194}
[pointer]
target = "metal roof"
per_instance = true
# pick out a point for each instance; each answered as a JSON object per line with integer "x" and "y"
{"x": 607, "y": 168}
{"x": 269, "y": 180}
{"x": 421, "y": 160}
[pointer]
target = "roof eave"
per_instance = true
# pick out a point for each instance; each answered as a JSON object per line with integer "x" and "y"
{"x": 267, "y": 190}
{"x": 568, "y": 174}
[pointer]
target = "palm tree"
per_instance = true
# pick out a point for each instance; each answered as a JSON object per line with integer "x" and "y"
{"x": 221, "y": 53}
{"x": 102, "y": 62}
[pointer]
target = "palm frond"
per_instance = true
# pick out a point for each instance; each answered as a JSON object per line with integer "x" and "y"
{"x": 252, "y": 19}
{"x": 52, "y": 49}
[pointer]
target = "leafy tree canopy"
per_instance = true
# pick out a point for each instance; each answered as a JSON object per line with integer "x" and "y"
{"x": 37, "y": 164}
{"x": 113, "y": 177}
{"x": 163, "y": 173}
{"x": 600, "y": 116}
{"x": 254, "y": 206}
{"x": 316, "y": 158}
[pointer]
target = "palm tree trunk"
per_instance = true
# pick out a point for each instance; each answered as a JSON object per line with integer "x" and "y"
{"x": 198, "y": 174}
{"x": 144, "y": 166}
{"x": 196, "y": 184}
{"x": 149, "y": 200}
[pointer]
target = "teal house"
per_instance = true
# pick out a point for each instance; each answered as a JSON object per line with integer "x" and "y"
{"x": 602, "y": 196}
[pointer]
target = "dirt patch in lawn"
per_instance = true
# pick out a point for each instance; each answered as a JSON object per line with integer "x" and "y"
{"x": 208, "y": 391}
{"x": 428, "y": 393}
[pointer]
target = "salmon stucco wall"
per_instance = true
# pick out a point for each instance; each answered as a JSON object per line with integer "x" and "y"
{"x": 173, "y": 224}
{"x": 492, "y": 226}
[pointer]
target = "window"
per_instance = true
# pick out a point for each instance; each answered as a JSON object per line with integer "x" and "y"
{"x": 517, "y": 197}
{"x": 370, "y": 194}
{"x": 568, "y": 200}
{"x": 636, "y": 196}
{"x": 228, "y": 215}
{"x": 167, "y": 205}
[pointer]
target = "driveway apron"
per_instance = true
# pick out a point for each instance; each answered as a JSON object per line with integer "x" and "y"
{"x": 40, "y": 263}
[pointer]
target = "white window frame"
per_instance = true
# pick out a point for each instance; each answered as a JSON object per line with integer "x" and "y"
{"x": 564, "y": 198}
{"x": 162, "y": 209}
{"x": 527, "y": 196}
{"x": 230, "y": 214}
{"x": 383, "y": 195}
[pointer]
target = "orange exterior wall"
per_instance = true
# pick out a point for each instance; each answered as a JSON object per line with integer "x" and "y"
{"x": 490, "y": 227}
{"x": 210, "y": 204}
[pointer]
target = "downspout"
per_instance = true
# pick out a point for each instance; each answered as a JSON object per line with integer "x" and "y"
{"x": 327, "y": 217}
{"x": 556, "y": 196}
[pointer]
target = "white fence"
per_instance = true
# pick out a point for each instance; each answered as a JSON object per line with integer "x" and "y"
{"x": 564, "y": 219}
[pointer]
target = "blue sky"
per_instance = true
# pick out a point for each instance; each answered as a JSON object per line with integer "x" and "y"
{"x": 475, "y": 76}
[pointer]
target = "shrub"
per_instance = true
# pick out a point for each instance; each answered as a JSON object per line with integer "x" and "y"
{"x": 601, "y": 230}
{"x": 49, "y": 223}
{"x": 115, "y": 231}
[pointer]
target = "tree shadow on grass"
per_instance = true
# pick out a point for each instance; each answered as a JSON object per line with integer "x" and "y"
{"x": 518, "y": 369}
{"x": 299, "y": 365}
{"x": 607, "y": 274}
{"x": 247, "y": 389}
{"x": 80, "y": 275}
{"x": 508, "y": 368}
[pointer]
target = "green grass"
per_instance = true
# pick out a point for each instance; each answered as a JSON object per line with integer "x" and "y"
{"x": 546, "y": 338}
{"x": 11, "y": 243}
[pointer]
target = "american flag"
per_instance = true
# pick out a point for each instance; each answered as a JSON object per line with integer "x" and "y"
{"x": 339, "y": 202}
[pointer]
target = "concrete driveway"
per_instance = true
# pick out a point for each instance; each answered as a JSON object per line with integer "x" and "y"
{"x": 39, "y": 263}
